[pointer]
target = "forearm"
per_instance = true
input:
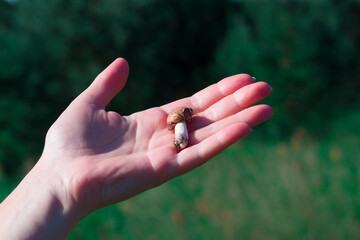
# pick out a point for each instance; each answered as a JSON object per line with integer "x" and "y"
{"x": 34, "y": 210}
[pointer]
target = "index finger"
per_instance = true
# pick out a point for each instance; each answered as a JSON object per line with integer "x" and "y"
{"x": 212, "y": 94}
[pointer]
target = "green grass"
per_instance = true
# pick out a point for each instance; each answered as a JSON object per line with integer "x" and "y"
{"x": 299, "y": 189}
{"x": 295, "y": 189}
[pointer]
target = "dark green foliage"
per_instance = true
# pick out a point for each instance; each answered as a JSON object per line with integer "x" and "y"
{"x": 307, "y": 50}
{"x": 51, "y": 50}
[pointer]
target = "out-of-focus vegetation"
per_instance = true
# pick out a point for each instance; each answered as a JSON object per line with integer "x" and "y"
{"x": 295, "y": 177}
{"x": 297, "y": 189}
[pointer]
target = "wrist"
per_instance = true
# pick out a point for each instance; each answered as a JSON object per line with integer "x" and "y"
{"x": 38, "y": 208}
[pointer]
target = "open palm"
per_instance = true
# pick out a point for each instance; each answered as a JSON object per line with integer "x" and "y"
{"x": 103, "y": 157}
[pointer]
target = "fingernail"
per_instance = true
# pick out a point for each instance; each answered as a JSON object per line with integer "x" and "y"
{"x": 254, "y": 78}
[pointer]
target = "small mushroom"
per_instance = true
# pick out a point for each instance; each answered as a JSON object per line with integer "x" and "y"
{"x": 177, "y": 120}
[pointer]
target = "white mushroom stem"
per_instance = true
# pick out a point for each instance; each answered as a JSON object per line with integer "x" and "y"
{"x": 181, "y": 138}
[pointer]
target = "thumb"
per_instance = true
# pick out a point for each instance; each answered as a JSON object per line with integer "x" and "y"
{"x": 108, "y": 83}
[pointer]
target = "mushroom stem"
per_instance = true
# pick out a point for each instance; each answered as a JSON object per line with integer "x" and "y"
{"x": 181, "y": 138}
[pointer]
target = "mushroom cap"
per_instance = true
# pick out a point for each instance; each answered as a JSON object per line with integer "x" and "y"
{"x": 179, "y": 114}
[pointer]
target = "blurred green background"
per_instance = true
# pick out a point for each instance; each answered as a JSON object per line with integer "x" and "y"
{"x": 295, "y": 177}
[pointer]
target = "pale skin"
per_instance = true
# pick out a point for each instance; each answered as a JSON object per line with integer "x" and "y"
{"x": 94, "y": 158}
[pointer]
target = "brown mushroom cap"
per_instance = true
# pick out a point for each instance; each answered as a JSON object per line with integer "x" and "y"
{"x": 179, "y": 114}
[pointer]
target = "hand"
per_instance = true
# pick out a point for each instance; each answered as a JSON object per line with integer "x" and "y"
{"x": 93, "y": 157}
{"x": 103, "y": 157}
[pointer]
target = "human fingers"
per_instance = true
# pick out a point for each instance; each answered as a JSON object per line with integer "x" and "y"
{"x": 208, "y": 96}
{"x": 239, "y": 100}
{"x": 199, "y": 153}
{"x": 251, "y": 116}
{"x": 107, "y": 84}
